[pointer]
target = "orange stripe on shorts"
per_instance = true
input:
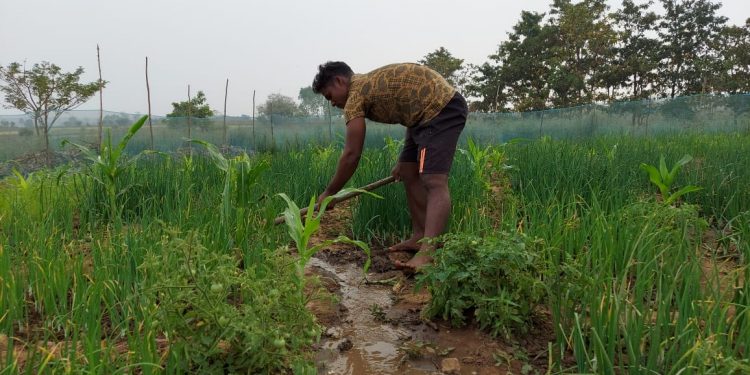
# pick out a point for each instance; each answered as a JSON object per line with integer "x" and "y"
{"x": 422, "y": 155}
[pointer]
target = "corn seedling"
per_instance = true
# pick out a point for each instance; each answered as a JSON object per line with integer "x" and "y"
{"x": 301, "y": 231}
{"x": 239, "y": 176}
{"x": 107, "y": 165}
{"x": 664, "y": 178}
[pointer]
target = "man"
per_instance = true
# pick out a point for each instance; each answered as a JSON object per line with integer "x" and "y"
{"x": 433, "y": 113}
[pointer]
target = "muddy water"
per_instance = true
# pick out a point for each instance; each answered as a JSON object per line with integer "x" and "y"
{"x": 374, "y": 345}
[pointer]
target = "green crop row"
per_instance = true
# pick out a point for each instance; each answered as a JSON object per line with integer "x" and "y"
{"x": 173, "y": 264}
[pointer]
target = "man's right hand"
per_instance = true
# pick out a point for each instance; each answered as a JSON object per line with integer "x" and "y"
{"x": 396, "y": 172}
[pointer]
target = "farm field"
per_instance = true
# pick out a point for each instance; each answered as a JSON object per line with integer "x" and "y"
{"x": 562, "y": 257}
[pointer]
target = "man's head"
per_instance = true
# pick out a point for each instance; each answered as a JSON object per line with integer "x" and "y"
{"x": 332, "y": 81}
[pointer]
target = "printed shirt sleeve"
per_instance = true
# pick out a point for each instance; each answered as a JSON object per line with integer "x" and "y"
{"x": 355, "y": 106}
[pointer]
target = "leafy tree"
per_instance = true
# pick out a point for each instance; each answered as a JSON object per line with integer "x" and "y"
{"x": 311, "y": 104}
{"x": 637, "y": 51}
{"x": 45, "y": 92}
{"x": 584, "y": 38}
{"x": 278, "y": 104}
{"x": 448, "y": 66}
{"x": 196, "y": 107}
{"x": 686, "y": 31}
{"x": 525, "y": 62}
{"x": 732, "y": 69}
{"x": 488, "y": 86}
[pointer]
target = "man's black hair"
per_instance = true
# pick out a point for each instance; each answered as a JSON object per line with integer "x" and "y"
{"x": 327, "y": 71}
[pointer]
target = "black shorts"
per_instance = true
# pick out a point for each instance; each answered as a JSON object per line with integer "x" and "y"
{"x": 433, "y": 144}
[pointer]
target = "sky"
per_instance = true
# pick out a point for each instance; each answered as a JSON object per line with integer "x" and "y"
{"x": 271, "y": 46}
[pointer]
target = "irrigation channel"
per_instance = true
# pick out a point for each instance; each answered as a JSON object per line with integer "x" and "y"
{"x": 373, "y": 325}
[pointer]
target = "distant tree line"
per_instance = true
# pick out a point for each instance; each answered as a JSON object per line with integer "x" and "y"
{"x": 583, "y": 52}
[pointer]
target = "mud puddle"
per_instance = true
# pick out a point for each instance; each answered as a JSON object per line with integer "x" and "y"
{"x": 380, "y": 331}
{"x": 362, "y": 343}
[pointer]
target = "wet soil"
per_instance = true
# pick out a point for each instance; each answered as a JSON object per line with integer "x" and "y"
{"x": 374, "y": 323}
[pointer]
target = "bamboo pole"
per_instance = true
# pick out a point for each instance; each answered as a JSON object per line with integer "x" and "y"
{"x": 101, "y": 102}
{"x": 330, "y": 124}
{"x": 148, "y": 95}
{"x": 226, "y": 92}
{"x": 345, "y": 197}
{"x": 189, "y": 104}
{"x": 270, "y": 116}
{"x": 254, "y": 146}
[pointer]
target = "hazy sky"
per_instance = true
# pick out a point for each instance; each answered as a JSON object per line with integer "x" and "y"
{"x": 268, "y": 46}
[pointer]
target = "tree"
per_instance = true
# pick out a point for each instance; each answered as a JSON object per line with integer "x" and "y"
{"x": 447, "y": 66}
{"x": 311, "y": 104}
{"x": 45, "y": 92}
{"x": 584, "y": 38}
{"x": 197, "y": 107}
{"x": 732, "y": 70}
{"x": 524, "y": 58}
{"x": 280, "y": 105}
{"x": 488, "y": 86}
{"x": 637, "y": 52}
{"x": 686, "y": 31}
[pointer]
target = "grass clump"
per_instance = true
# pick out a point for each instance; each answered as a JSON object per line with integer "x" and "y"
{"x": 499, "y": 277}
{"x": 220, "y": 318}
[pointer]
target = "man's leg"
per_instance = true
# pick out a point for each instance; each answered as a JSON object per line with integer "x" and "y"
{"x": 416, "y": 198}
{"x": 436, "y": 142}
{"x": 438, "y": 208}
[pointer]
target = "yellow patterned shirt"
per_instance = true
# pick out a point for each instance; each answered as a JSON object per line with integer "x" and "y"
{"x": 406, "y": 94}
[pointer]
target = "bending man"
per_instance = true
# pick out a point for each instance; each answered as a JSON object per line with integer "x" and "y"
{"x": 434, "y": 115}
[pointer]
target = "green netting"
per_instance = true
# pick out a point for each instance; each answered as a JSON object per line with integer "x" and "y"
{"x": 703, "y": 113}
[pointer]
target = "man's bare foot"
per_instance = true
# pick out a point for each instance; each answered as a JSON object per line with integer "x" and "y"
{"x": 415, "y": 264}
{"x": 411, "y": 244}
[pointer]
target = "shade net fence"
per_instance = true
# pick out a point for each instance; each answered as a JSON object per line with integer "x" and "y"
{"x": 699, "y": 114}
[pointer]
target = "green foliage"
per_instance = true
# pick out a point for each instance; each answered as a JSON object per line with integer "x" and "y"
{"x": 196, "y": 107}
{"x": 499, "y": 277}
{"x": 664, "y": 178}
{"x": 279, "y": 105}
{"x": 45, "y": 92}
{"x": 219, "y": 318}
{"x": 448, "y": 66}
{"x": 106, "y": 166}
{"x": 636, "y": 51}
{"x": 240, "y": 174}
{"x": 311, "y": 104}
{"x": 301, "y": 230}
{"x": 686, "y": 31}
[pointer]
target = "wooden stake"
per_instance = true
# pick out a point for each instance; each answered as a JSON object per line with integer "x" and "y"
{"x": 148, "y": 95}
{"x": 330, "y": 124}
{"x": 189, "y": 112}
{"x": 254, "y": 147}
{"x": 101, "y": 103}
{"x": 190, "y": 144}
{"x": 226, "y": 91}
{"x": 270, "y": 115}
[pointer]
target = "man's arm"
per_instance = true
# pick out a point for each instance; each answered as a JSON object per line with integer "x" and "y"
{"x": 355, "y": 140}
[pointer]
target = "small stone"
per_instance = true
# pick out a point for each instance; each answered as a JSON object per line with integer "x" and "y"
{"x": 345, "y": 345}
{"x": 450, "y": 366}
{"x": 333, "y": 332}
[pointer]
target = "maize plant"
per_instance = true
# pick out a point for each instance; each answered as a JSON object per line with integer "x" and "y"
{"x": 664, "y": 178}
